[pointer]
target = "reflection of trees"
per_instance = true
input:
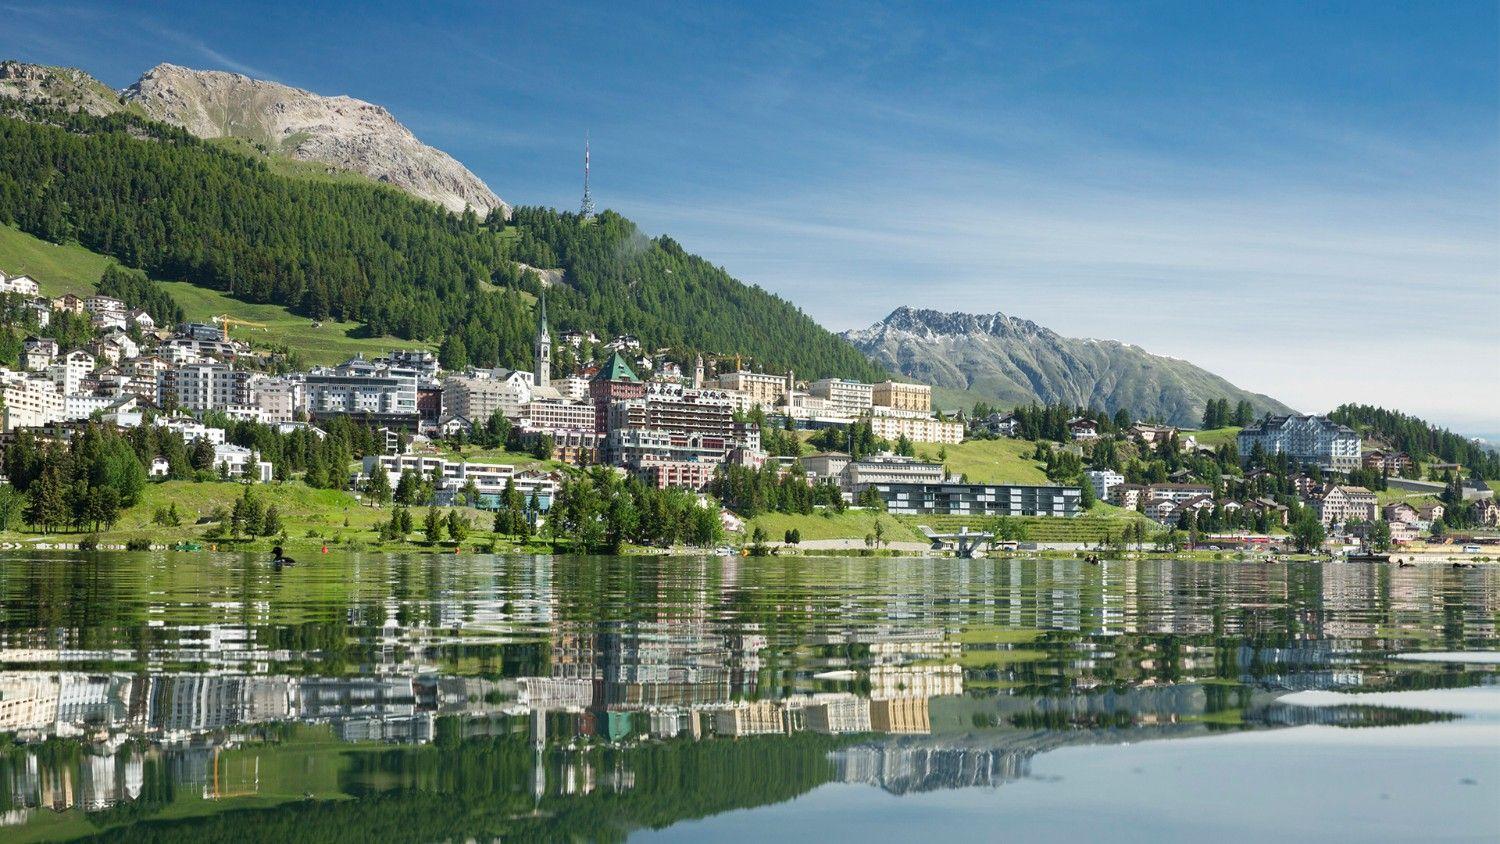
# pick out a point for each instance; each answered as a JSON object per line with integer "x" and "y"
{"x": 483, "y": 788}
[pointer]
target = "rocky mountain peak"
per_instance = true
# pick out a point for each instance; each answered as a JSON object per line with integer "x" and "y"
{"x": 65, "y": 87}
{"x": 932, "y": 324}
{"x": 339, "y": 131}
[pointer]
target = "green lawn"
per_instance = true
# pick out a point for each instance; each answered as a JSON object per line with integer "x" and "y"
{"x": 1392, "y": 495}
{"x": 330, "y": 342}
{"x": 990, "y": 461}
{"x": 1101, "y": 521}
{"x": 57, "y": 269}
{"x": 1215, "y": 437}
{"x": 850, "y": 524}
{"x": 308, "y": 515}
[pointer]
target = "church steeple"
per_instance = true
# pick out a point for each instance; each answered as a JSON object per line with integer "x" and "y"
{"x": 543, "y": 348}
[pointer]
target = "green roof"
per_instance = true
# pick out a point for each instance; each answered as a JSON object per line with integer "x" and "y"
{"x": 616, "y": 370}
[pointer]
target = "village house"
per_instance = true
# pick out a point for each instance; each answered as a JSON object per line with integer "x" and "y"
{"x": 1390, "y": 462}
{"x": 1278, "y": 513}
{"x": 1083, "y": 429}
{"x": 42, "y": 310}
{"x": 39, "y": 352}
{"x": 999, "y": 424}
{"x": 1128, "y": 496}
{"x": 1487, "y": 512}
{"x": 1342, "y": 504}
{"x": 1401, "y": 513}
{"x": 1150, "y": 434}
{"x": 24, "y": 285}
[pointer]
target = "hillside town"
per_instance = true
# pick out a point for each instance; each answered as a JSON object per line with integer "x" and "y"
{"x": 639, "y": 411}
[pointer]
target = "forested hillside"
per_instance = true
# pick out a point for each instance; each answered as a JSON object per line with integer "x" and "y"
{"x": 1421, "y": 440}
{"x": 158, "y": 199}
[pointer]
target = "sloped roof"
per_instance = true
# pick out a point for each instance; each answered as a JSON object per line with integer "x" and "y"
{"x": 616, "y": 369}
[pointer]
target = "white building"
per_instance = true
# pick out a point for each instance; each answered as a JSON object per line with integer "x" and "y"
{"x": 233, "y": 459}
{"x": 558, "y": 416}
{"x": 845, "y": 398}
{"x": 43, "y": 311}
{"x": 106, "y": 311}
{"x": 479, "y": 394}
{"x": 362, "y": 387}
{"x": 278, "y": 399}
{"x": 1102, "y": 480}
{"x": 454, "y": 475}
{"x": 83, "y": 405}
{"x": 200, "y": 387}
{"x": 887, "y": 469}
{"x": 69, "y": 371}
{"x": 1305, "y": 439}
{"x": 29, "y": 401}
{"x": 24, "y": 285}
{"x": 573, "y": 388}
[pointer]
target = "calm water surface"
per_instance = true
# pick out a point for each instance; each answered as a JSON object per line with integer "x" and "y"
{"x": 202, "y": 697}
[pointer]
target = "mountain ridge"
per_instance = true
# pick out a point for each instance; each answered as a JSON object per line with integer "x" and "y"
{"x": 1011, "y": 360}
{"x": 342, "y": 132}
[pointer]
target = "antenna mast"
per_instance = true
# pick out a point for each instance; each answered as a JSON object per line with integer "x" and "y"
{"x": 586, "y": 210}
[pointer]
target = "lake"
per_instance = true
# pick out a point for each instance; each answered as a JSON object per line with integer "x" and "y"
{"x": 364, "y": 697}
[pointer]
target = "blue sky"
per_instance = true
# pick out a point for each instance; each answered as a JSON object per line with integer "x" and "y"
{"x": 1304, "y": 198}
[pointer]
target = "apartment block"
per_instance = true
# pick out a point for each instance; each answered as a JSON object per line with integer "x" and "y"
{"x": 901, "y": 396}
{"x": 360, "y": 387}
{"x": 845, "y": 398}
{"x": 923, "y": 429}
{"x": 979, "y": 499}
{"x": 200, "y": 387}
{"x": 479, "y": 395}
{"x": 763, "y": 389}
{"x": 1343, "y": 504}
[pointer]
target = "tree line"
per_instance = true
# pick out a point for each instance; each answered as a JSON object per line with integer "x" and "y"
{"x": 1422, "y": 441}
{"x": 598, "y": 511}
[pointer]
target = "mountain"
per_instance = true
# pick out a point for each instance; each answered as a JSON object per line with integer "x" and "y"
{"x": 1013, "y": 361}
{"x": 63, "y": 87}
{"x": 155, "y": 197}
{"x": 284, "y": 122}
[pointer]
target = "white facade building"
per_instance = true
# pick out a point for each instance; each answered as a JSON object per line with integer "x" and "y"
{"x": 1102, "y": 480}
{"x": 845, "y": 398}
{"x": 29, "y": 401}
{"x": 479, "y": 394}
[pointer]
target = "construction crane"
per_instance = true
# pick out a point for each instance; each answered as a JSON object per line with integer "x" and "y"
{"x": 225, "y": 320}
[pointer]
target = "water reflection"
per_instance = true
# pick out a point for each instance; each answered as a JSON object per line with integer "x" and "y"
{"x": 512, "y": 696}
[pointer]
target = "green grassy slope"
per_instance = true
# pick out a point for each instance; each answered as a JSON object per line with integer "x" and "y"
{"x": 330, "y": 342}
{"x": 850, "y": 524}
{"x": 990, "y": 461}
{"x": 70, "y": 268}
{"x": 58, "y": 269}
{"x": 1216, "y": 437}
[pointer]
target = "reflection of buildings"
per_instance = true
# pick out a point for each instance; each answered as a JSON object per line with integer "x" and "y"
{"x": 900, "y": 715}
{"x": 901, "y": 769}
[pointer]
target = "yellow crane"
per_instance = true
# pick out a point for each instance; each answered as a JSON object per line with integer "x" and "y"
{"x": 225, "y": 320}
